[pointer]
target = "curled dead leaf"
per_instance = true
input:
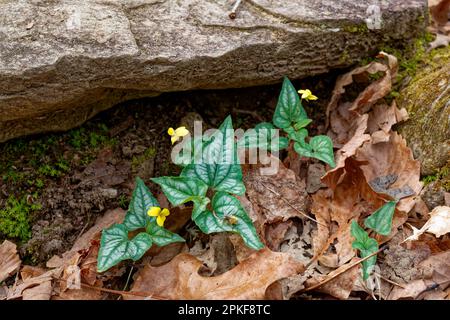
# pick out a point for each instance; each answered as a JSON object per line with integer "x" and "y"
{"x": 179, "y": 279}
{"x": 9, "y": 259}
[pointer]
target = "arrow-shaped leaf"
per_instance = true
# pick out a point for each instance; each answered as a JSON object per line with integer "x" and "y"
{"x": 162, "y": 237}
{"x": 229, "y": 216}
{"x": 289, "y": 108}
{"x": 141, "y": 201}
{"x": 115, "y": 247}
{"x": 366, "y": 246}
{"x": 381, "y": 220}
{"x": 179, "y": 190}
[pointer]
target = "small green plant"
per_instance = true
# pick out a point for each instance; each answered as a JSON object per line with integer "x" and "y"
{"x": 15, "y": 220}
{"x": 210, "y": 180}
{"x": 381, "y": 222}
{"x": 291, "y": 117}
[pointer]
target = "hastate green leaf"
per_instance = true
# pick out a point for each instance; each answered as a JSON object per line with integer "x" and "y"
{"x": 200, "y": 205}
{"x": 220, "y": 168}
{"x": 179, "y": 190}
{"x": 303, "y": 149}
{"x": 141, "y": 201}
{"x": 323, "y": 149}
{"x": 381, "y": 220}
{"x": 220, "y": 177}
{"x": 263, "y": 136}
{"x": 366, "y": 246}
{"x": 162, "y": 237}
{"x": 289, "y": 108}
{"x": 220, "y": 147}
{"x": 115, "y": 247}
{"x": 302, "y": 123}
{"x": 299, "y": 136}
{"x": 229, "y": 216}
{"x": 319, "y": 147}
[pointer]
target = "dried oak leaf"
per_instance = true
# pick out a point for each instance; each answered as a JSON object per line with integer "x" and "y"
{"x": 179, "y": 279}
{"x": 392, "y": 157}
{"x": 341, "y": 116}
{"x": 9, "y": 259}
{"x": 342, "y": 285}
{"x": 42, "y": 281}
{"x": 334, "y": 209}
{"x": 273, "y": 198}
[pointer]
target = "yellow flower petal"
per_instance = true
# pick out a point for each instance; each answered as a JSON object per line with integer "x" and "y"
{"x": 302, "y": 91}
{"x": 154, "y": 211}
{"x": 181, "y": 131}
{"x": 174, "y": 139}
{"x": 313, "y": 97}
{"x": 160, "y": 221}
{"x": 171, "y": 132}
{"x": 165, "y": 212}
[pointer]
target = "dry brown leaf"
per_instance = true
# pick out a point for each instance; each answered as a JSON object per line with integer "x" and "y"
{"x": 9, "y": 259}
{"x": 382, "y": 118}
{"x": 392, "y": 157}
{"x": 358, "y": 137}
{"x": 43, "y": 291}
{"x": 341, "y": 116}
{"x": 410, "y": 290}
{"x": 439, "y": 11}
{"x": 342, "y": 285}
{"x": 438, "y": 224}
{"x": 273, "y": 198}
{"x": 436, "y": 275}
{"x": 108, "y": 219}
{"x": 335, "y": 209}
{"x": 179, "y": 279}
{"x": 17, "y": 292}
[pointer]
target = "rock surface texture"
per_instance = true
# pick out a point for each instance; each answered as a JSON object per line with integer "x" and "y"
{"x": 62, "y": 61}
{"x": 427, "y": 99}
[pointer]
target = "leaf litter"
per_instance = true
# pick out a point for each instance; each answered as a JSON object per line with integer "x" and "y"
{"x": 304, "y": 221}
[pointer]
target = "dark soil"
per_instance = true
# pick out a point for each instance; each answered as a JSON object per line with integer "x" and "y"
{"x": 54, "y": 186}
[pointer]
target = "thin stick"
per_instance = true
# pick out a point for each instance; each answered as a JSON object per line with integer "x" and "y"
{"x": 390, "y": 281}
{"x": 289, "y": 204}
{"x": 232, "y": 14}
{"x": 130, "y": 293}
{"x": 350, "y": 266}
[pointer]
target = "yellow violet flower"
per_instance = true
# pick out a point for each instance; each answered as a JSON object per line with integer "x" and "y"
{"x": 307, "y": 94}
{"x": 159, "y": 214}
{"x": 176, "y": 134}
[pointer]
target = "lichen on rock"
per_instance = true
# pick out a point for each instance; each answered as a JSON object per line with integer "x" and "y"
{"x": 427, "y": 99}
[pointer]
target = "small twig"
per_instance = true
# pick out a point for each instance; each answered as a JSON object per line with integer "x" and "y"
{"x": 390, "y": 281}
{"x": 84, "y": 228}
{"x": 293, "y": 207}
{"x": 130, "y": 293}
{"x": 232, "y": 14}
{"x": 350, "y": 266}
